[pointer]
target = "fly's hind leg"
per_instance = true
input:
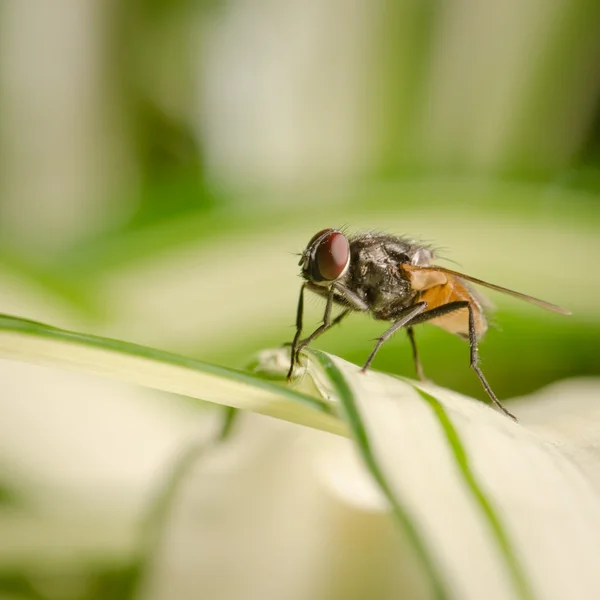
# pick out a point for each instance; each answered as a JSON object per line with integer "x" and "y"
{"x": 475, "y": 365}
{"x": 445, "y": 309}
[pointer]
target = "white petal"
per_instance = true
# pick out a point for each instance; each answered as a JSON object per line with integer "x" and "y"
{"x": 283, "y": 512}
{"x": 515, "y": 517}
{"x": 567, "y": 414}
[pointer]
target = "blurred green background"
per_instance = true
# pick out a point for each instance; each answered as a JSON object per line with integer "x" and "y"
{"x": 162, "y": 161}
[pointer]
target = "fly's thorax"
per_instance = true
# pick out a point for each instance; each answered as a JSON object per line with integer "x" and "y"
{"x": 377, "y": 280}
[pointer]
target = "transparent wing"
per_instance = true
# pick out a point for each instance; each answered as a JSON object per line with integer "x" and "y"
{"x": 541, "y": 303}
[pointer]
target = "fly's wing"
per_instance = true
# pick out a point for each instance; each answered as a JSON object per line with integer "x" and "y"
{"x": 439, "y": 289}
{"x": 427, "y": 277}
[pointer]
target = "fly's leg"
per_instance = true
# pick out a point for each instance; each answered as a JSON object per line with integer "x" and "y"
{"x": 327, "y": 323}
{"x": 404, "y": 316}
{"x": 475, "y": 364}
{"x": 355, "y": 304}
{"x": 353, "y": 300}
{"x": 474, "y": 352}
{"x": 313, "y": 336}
{"x": 419, "y": 368}
{"x": 299, "y": 315}
{"x": 298, "y": 346}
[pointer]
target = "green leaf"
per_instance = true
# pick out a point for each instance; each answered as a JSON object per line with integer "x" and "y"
{"x": 486, "y": 504}
{"x": 11, "y": 497}
{"x": 359, "y": 433}
{"x": 492, "y": 508}
{"x": 30, "y": 341}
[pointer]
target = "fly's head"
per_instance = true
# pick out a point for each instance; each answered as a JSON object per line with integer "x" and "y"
{"x": 326, "y": 258}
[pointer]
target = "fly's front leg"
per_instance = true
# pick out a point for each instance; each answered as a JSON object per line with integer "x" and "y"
{"x": 405, "y": 316}
{"x": 321, "y": 330}
{"x": 299, "y": 315}
{"x": 324, "y": 326}
{"x": 355, "y": 302}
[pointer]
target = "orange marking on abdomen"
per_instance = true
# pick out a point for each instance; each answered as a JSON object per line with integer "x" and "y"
{"x": 456, "y": 322}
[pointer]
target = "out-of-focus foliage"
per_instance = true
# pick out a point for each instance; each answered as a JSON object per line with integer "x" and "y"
{"x": 161, "y": 162}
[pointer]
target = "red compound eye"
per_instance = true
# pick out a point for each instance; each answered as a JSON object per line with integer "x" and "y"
{"x": 332, "y": 255}
{"x": 318, "y": 235}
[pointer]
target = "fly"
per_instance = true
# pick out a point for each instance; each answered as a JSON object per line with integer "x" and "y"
{"x": 393, "y": 280}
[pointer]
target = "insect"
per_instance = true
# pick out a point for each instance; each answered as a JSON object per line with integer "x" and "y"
{"x": 391, "y": 278}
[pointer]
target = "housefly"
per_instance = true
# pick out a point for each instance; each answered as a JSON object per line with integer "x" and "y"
{"x": 393, "y": 280}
